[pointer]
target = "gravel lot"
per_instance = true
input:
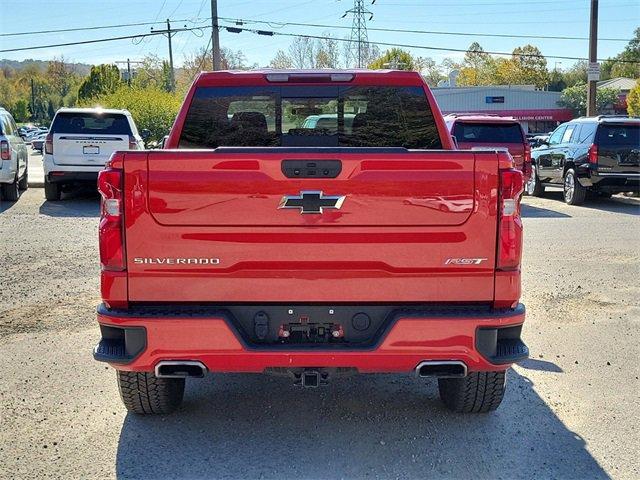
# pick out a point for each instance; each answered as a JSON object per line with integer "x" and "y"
{"x": 571, "y": 411}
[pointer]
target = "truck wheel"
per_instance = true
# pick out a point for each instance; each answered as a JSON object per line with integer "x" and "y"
{"x": 534, "y": 187}
{"x": 143, "y": 393}
{"x": 23, "y": 184}
{"x": 10, "y": 191}
{"x": 574, "y": 192}
{"x": 478, "y": 392}
{"x": 51, "y": 190}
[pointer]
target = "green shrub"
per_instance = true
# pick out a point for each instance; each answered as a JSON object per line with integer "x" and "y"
{"x": 151, "y": 108}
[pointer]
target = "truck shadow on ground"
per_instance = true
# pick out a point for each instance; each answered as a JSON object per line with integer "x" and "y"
{"x": 80, "y": 202}
{"x": 249, "y": 426}
{"x": 529, "y": 211}
{"x": 615, "y": 204}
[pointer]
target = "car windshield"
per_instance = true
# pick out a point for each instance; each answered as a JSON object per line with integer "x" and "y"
{"x": 619, "y": 135}
{"x": 91, "y": 123}
{"x": 475, "y": 132}
{"x": 307, "y": 116}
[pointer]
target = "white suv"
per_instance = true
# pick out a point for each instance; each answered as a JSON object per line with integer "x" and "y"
{"x": 13, "y": 158}
{"x": 79, "y": 143}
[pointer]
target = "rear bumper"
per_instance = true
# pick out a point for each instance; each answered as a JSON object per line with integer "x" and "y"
{"x": 137, "y": 339}
{"x": 613, "y": 182}
{"x": 72, "y": 177}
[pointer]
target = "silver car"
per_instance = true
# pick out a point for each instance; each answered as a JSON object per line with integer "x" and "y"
{"x": 13, "y": 158}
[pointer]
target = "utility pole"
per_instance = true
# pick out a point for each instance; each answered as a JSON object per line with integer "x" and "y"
{"x": 128, "y": 62}
{"x": 215, "y": 35}
{"x": 169, "y": 33}
{"x": 358, "y": 40}
{"x": 594, "y": 68}
{"x": 33, "y": 100}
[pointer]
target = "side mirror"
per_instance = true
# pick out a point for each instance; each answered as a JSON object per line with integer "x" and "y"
{"x": 145, "y": 134}
{"x": 163, "y": 141}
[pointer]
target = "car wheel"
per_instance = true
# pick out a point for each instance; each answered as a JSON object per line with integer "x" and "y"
{"x": 10, "y": 191}
{"x": 534, "y": 187}
{"x": 144, "y": 393}
{"x": 51, "y": 190}
{"x": 478, "y": 392}
{"x": 24, "y": 181}
{"x": 574, "y": 192}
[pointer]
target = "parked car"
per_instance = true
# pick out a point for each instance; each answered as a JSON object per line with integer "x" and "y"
{"x": 590, "y": 154}
{"x": 80, "y": 142}
{"x": 249, "y": 247}
{"x": 37, "y": 142}
{"x": 538, "y": 140}
{"x": 473, "y": 131}
{"x": 13, "y": 159}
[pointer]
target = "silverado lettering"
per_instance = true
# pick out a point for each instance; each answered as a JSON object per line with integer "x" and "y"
{"x": 313, "y": 285}
{"x": 176, "y": 261}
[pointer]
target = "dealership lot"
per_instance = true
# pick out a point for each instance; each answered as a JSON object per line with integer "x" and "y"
{"x": 570, "y": 411}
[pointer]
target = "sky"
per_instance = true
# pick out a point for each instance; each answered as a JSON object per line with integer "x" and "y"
{"x": 618, "y": 19}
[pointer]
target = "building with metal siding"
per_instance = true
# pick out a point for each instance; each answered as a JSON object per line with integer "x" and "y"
{"x": 538, "y": 111}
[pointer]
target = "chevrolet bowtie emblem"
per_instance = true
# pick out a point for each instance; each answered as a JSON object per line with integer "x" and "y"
{"x": 311, "y": 201}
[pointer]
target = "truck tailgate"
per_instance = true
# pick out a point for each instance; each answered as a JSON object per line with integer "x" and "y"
{"x": 414, "y": 226}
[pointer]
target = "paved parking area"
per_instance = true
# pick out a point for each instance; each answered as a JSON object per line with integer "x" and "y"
{"x": 571, "y": 411}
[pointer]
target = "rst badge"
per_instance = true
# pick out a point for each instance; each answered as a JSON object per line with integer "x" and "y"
{"x": 312, "y": 201}
{"x": 464, "y": 261}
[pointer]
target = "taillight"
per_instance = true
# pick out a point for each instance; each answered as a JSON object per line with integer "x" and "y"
{"x": 133, "y": 144}
{"x": 48, "y": 144}
{"x": 593, "y": 154}
{"x": 110, "y": 185}
{"x": 526, "y": 166}
{"x": 5, "y": 151}
{"x": 509, "y": 221}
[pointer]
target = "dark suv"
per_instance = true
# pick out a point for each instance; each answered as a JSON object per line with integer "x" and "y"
{"x": 599, "y": 154}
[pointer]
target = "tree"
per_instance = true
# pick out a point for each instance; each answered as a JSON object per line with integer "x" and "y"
{"x": 302, "y": 52}
{"x": 20, "y": 110}
{"x": 152, "y": 108}
{"x": 633, "y": 100}
{"x": 477, "y": 67}
{"x": 532, "y": 66}
{"x": 576, "y": 74}
{"x": 626, "y": 63}
{"x": 281, "y": 60}
{"x": 103, "y": 79}
{"x": 575, "y": 98}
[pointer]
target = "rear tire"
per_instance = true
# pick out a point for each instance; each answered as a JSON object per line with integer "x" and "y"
{"x": 51, "y": 190}
{"x": 143, "y": 393}
{"x": 478, "y": 392}
{"x": 23, "y": 184}
{"x": 574, "y": 192}
{"x": 534, "y": 187}
{"x": 10, "y": 191}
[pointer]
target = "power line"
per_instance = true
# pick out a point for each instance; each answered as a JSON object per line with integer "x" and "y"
{"x": 99, "y": 40}
{"x": 80, "y": 29}
{"x": 425, "y": 32}
{"x": 235, "y": 29}
{"x": 314, "y": 25}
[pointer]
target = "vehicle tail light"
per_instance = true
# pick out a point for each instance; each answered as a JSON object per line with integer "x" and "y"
{"x": 509, "y": 221}
{"x": 111, "y": 238}
{"x": 5, "y": 151}
{"x": 593, "y": 154}
{"x": 48, "y": 144}
{"x": 526, "y": 166}
{"x": 133, "y": 144}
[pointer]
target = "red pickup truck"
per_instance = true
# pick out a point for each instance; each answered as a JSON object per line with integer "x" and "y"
{"x": 264, "y": 240}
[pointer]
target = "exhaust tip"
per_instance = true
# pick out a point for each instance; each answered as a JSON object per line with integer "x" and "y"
{"x": 180, "y": 369}
{"x": 442, "y": 369}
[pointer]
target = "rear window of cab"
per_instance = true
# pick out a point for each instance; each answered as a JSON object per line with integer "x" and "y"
{"x": 477, "y": 132}
{"x": 90, "y": 123}
{"x": 310, "y": 116}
